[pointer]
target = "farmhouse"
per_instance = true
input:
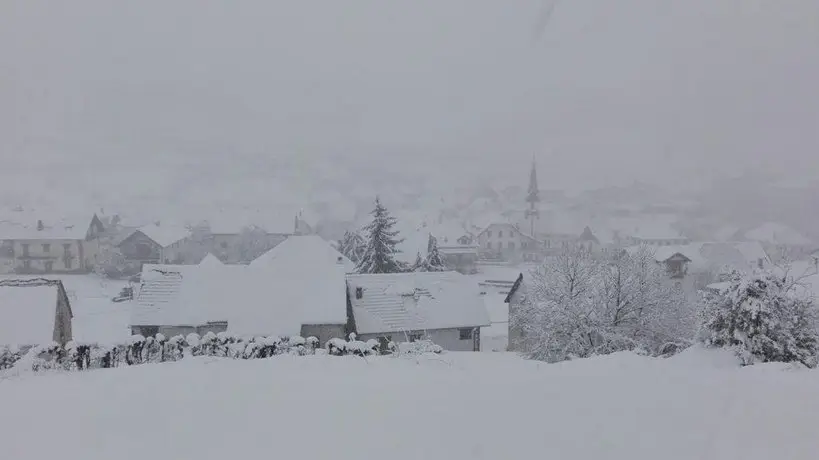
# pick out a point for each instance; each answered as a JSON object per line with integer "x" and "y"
{"x": 34, "y": 312}
{"x": 299, "y": 290}
{"x": 40, "y": 247}
{"x": 155, "y": 243}
{"x": 445, "y": 307}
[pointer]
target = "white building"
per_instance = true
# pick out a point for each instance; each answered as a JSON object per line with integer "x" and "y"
{"x": 445, "y": 307}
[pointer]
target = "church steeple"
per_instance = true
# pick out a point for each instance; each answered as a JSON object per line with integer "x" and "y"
{"x": 533, "y": 198}
{"x": 532, "y": 194}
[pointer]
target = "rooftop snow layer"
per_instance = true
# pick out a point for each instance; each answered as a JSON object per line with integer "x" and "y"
{"x": 194, "y": 295}
{"x": 415, "y": 301}
{"x": 303, "y": 250}
{"x": 211, "y": 260}
{"x": 165, "y": 235}
{"x": 27, "y": 314}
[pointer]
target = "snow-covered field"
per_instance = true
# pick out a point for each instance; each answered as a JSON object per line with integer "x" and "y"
{"x": 698, "y": 405}
{"x": 96, "y": 317}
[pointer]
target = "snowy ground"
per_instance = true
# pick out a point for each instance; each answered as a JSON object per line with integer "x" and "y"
{"x": 96, "y": 318}
{"x": 461, "y": 406}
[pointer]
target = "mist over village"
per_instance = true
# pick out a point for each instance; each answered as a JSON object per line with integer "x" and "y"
{"x": 461, "y": 229}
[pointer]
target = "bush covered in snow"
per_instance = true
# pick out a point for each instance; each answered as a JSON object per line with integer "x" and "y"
{"x": 765, "y": 317}
{"x": 141, "y": 350}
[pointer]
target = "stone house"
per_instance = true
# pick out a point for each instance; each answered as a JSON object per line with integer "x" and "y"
{"x": 34, "y": 312}
{"x": 445, "y": 307}
{"x": 507, "y": 242}
{"x": 43, "y": 247}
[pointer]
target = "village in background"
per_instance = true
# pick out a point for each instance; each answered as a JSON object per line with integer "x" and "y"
{"x": 295, "y": 270}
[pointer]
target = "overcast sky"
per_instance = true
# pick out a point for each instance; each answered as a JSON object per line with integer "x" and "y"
{"x": 612, "y": 90}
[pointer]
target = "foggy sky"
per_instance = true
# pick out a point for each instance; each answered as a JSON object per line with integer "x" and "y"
{"x": 611, "y": 91}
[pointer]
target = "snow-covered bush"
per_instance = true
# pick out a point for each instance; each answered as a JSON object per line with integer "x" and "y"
{"x": 141, "y": 350}
{"x": 419, "y": 347}
{"x": 9, "y": 355}
{"x": 765, "y": 317}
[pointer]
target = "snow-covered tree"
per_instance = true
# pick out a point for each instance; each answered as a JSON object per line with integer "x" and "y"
{"x": 556, "y": 319}
{"x": 435, "y": 261}
{"x": 764, "y": 317}
{"x": 580, "y": 305}
{"x": 352, "y": 245}
{"x": 382, "y": 241}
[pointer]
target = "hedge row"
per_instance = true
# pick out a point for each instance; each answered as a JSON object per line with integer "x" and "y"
{"x": 140, "y": 350}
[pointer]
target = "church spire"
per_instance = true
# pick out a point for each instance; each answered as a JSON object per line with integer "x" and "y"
{"x": 533, "y": 198}
{"x": 533, "y": 192}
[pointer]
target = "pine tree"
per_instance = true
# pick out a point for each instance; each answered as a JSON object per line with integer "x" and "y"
{"x": 435, "y": 261}
{"x": 379, "y": 254}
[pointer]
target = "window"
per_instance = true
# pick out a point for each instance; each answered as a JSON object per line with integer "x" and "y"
{"x": 49, "y": 266}
{"x": 359, "y": 292}
{"x": 489, "y": 233}
{"x": 46, "y": 248}
{"x": 523, "y": 245}
{"x": 25, "y": 249}
{"x": 223, "y": 244}
{"x": 500, "y": 233}
{"x": 465, "y": 334}
{"x": 511, "y": 245}
{"x": 488, "y": 245}
{"x": 415, "y": 336}
{"x": 27, "y": 264}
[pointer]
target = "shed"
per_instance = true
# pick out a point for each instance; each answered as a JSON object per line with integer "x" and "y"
{"x": 34, "y": 312}
{"x": 445, "y": 307}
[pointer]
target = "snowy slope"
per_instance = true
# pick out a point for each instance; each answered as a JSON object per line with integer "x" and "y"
{"x": 459, "y": 406}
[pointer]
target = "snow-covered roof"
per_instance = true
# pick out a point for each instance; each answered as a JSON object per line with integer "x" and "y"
{"x": 303, "y": 250}
{"x": 59, "y": 230}
{"x": 709, "y": 256}
{"x": 210, "y": 260}
{"x": 165, "y": 235}
{"x": 194, "y": 295}
{"x": 776, "y": 233}
{"x": 415, "y": 301}
{"x": 27, "y": 314}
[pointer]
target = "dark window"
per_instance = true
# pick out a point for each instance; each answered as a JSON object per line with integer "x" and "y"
{"x": 223, "y": 244}
{"x": 359, "y": 292}
{"x": 27, "y": 264}
{"x": 465, "y": 334}
{"x": 149, "y": 331}
{"x": 415, "y": 336}
{"x": 25, "y": 249}
{"x": 49, "y": 266}
{"x": 383, "y": 342}
{"x": 489, "y": 234}
{"x": 46, "y": 248}
{"x": 500, "y": 234}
